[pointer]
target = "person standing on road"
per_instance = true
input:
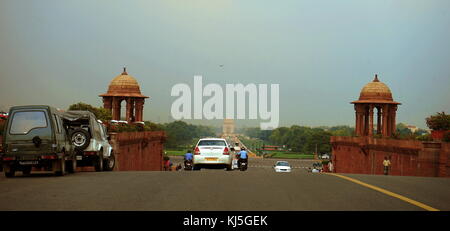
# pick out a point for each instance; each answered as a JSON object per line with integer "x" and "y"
{"x": 330, "y": 166}
{"x": 386, "y": 165}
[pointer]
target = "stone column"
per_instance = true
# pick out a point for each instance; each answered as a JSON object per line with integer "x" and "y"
{"x": 128, "y": 110}
{"x": 107, "y": 103}
{"x": 366, "y": 121}
{"x": 132, "y": 112}
{"x": 371, "y": 120}
{"x": 385, "y": 115}
{"x": 357, "y": 119}
{"x": 393, "y": 115}
{"x": 116, "y": 108}
{"x": 379, "y": 120}
{"x": 359, "y": 128}
{"x": 139, "y": 109}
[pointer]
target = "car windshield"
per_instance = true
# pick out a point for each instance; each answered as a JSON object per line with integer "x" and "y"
{"x": 212, "y": 143}
{"x": 282, "y": 164}
{"x": 24, "y": 121}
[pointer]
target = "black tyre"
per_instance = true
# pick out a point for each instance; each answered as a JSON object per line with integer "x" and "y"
{"x": 109, "y": 163}
{"x": 59, "y": 167}
{"x": 26, "y": 170}
{"x": 10, "y": 171}
{"x": 99, "y": 162}
{"x": 80, "y": 138}
{"x": 72, "y": 166}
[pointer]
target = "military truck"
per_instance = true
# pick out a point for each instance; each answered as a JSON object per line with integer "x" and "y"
{"x": 35, "y": 136}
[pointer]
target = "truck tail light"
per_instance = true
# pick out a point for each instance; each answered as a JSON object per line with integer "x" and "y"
{"x": 226, "y": 151}
{"x": 49, "y": 157}
{"x": 197, "y": 151}
{"x": 89, "y": 153}
{"x": 9, "y": 158}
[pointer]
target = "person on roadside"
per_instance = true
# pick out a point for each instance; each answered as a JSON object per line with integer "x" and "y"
{"x": 386, "y": 165}
{"x": 167, "y": 164}
{"x": 188, "y": 157}
{"x": 330, "y": 166}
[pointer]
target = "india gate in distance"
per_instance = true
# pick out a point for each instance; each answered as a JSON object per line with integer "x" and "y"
{"x": 125, "y": 87}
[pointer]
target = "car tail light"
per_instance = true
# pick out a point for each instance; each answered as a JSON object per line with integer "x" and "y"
{"x": 8, "y": 158}
{"x": 49, "y": 157}
{"x": 197, "y": 151}
{"x": 226, "y": 151}
{"x": 89, "y": 153}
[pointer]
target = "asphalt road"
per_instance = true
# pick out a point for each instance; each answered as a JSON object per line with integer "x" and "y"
{"x": 259, "y": 188}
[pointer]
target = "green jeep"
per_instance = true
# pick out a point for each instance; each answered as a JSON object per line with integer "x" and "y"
{"x": 35, "y": 136}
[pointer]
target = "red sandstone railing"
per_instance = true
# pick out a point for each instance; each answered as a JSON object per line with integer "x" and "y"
{"x": 138, "y": 151}
{"x": 408, "y": 157}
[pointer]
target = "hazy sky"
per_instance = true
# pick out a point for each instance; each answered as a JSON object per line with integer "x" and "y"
{"x": 320, "y": 52}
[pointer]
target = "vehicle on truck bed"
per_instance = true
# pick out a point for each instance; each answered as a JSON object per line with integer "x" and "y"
{"x": 90, "y": 140}
{"x": 34, "y": 136}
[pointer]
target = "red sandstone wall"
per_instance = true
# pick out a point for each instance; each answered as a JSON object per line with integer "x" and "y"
{"x": 365, "y": 155}
{"x": 138, "y": 151}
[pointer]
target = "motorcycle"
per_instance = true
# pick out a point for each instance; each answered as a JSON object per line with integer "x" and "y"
{"x": 188, "y": 165}
{"x": 243, "y": 165}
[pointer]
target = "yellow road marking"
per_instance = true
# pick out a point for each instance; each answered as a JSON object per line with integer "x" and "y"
{"x": 411, "y": 201}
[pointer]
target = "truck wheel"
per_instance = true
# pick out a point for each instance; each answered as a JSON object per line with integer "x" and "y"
{"x": 10, "y": 171}
{"x": 59, "y": 167}
{"x": 110, "y": 162}
{"x": 99, "y": 162}
{"x": 80, "y": 138}
{"x": 26, "y": 170}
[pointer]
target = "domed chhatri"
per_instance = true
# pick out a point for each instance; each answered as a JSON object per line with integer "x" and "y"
{"x": 376, "y": 92}
{"x": 124, "y": 87}
{"x": 375, "y": 95}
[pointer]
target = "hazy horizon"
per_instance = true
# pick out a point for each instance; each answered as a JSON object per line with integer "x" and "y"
{"x": 321, "y": 53}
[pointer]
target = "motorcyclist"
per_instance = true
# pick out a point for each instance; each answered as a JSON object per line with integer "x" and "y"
{"x": 188, "y": 157}
{"x": 242, "y": 155}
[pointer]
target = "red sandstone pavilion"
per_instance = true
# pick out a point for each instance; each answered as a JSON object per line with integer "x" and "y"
{"x": 125, "y": 87}
{"x": 364, "y": 153}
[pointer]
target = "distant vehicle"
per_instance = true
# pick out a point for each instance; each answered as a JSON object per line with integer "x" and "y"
{"x": 325, "y": 156}
{"x": 35, "y": 137}
{"x": 119, "y": 122}
{"x": 317, "y": 167}
{"x": 212, "y": 151}
{"x": 90, "y": 139}
{"x": 282, "y": 166}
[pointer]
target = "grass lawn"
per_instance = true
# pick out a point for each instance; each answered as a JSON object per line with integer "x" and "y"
{"x": 175, "y": 152}
{"x": 292, "y": 155}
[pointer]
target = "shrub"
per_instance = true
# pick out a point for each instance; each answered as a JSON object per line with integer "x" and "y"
{"x": 440, "y": 121}
{"x": 446, "y": 137}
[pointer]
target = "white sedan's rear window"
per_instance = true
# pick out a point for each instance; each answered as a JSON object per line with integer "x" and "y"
{"x": 212, "y": 143}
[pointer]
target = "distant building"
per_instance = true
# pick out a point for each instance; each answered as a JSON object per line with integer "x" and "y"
{"x": 412, "y": 128}
{"x": 228, "y": 127}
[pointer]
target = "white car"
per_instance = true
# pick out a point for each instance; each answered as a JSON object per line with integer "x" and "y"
{"x": 325, "y": 156}
{"x": 282, "y": 166}
{"x": 212, "y": 151}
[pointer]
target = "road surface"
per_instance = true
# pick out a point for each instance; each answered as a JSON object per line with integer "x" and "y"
{"x": 259, "y": 188}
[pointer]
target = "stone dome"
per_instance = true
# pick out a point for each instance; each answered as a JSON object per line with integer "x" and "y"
{"x": 376, "y": 92}
{"x": 124, "y": 85}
